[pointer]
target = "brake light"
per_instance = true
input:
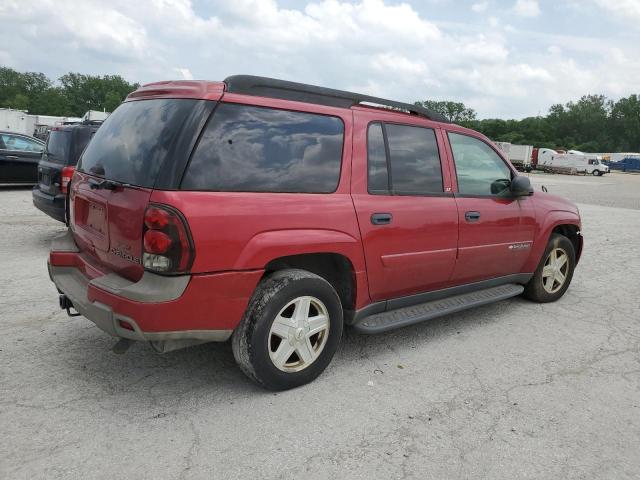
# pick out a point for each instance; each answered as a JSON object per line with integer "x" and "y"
{"x": 65, "y": 179}
{"x": 156, "y": 218}
{"x": 156, "y": 242}
{"x": 167, "y": 245}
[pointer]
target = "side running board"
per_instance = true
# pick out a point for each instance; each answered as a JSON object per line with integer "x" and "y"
{"x": 401, "y": 317}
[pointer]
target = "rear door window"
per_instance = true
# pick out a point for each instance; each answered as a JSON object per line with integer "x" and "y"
{"x": 378, "y": 173}
{"x": 134, "y": 141}
{"x": 413, "y": 166}
{"x": 257, "y": 149}
{"x": 82, "y": 137}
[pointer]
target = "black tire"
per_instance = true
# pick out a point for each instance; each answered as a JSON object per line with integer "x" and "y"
{"x": 535, "y": 290}
{"x": 251, "y": 339}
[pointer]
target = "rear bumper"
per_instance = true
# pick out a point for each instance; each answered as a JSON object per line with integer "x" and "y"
{"x": 52, "y": 205}
{"x": 168, "y": 311}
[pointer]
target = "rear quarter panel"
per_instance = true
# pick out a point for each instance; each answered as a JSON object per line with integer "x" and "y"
{"x": 246, "y": 230}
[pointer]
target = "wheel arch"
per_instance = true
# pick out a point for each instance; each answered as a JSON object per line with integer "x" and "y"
{"x": 333, "y": 255}
{"x": 557, "y": 221}
{"x": 335, "y": 268}
{"x": 572, "y": 232}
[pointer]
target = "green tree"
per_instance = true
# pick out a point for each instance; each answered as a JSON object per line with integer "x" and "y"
{"x": 625, "y": 124}
{"x": 454, "y": 111}
{"x": 73, "y": 95}
{"x": 88, "y": 92}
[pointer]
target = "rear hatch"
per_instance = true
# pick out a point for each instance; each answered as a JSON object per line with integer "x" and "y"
{"x": 144, "y": 144}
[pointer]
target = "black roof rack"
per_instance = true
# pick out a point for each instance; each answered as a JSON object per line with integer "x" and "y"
{"x": 300, "y": 92}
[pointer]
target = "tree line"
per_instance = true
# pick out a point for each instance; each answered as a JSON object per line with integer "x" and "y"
{"x": 592, "y": 124}
{"x": 71, "y": 95}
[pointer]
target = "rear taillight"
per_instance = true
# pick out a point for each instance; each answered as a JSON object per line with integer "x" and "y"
{"x": 167, "y": 245}
{"x": 65, "y": 178}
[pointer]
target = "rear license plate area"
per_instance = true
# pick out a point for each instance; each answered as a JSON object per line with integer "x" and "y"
{"x": 95, "y": 219}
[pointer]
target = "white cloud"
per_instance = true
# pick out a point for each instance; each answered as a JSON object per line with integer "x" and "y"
{"x": 378, "y": 47}
{"x": 527, "y": 8}
{"x": 185, "y": 73}
{"x": 480, "y": 7}
{"x": 628, "y": 10}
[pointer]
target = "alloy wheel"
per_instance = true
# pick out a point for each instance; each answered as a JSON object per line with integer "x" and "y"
{"x": 554, "y": 272}
{"x": 298, "y": 334}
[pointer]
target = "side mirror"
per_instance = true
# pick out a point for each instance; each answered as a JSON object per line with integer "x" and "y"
{"x": 521, "y": 186}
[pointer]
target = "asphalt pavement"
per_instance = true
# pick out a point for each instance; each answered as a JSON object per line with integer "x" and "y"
{"x": 514, "y": 390}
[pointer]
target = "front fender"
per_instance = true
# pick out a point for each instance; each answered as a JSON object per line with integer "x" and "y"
{"x": 552, "y": 219}
{"x": 267, "y": 246}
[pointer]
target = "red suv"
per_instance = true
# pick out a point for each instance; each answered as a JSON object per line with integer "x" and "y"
{"x": 276, "y": 213}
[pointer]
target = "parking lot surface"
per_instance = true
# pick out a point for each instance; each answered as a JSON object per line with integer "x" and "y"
{"x": 510, "y": 390}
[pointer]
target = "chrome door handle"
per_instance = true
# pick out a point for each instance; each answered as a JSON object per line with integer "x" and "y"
{"x": 381, "y": 218}
{"x": 472, "y": 216}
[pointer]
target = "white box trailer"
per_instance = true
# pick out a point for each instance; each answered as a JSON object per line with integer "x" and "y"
{"x": 518, "y": 155}
{"x": 95, "y": 116}
{"x": 572, "y": 163}
{"x": 17, "y": 121}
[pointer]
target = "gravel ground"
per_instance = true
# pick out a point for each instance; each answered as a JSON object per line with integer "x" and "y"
{"x": 511, "y": 390}
{"x": 611, "y": 190}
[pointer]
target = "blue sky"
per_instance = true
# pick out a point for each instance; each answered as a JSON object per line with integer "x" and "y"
{"x": 507, "y": 59}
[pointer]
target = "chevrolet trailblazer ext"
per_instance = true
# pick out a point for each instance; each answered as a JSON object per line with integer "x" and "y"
{"x": 275, "y": 213}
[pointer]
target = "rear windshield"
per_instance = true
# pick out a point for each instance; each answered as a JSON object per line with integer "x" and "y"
{"x": 257, "y": 149}
{"x": 133, "y": 142}
{"x": 58, "y": 144}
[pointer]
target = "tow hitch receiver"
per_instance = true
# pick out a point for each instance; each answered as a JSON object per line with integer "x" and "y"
{"x": 65, "y": 304}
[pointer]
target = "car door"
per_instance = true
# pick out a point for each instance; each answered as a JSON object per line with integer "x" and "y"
{"x": 406, "y": 212}
{"x": 496, "y": 229}
{"x": 19, "y": 156}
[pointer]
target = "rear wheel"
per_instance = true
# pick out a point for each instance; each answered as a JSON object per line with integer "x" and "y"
{"x": 554, "y": 273}
{"x": 290, "y": 331}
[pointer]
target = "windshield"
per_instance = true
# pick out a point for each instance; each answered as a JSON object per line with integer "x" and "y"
{"x": 132, "y": 144}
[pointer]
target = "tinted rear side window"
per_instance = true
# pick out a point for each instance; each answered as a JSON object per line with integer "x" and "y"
{"x": 58, "y": 146}
{"x": 413, "y": 166}
{"x": 82, "y": 137}
{"x": 377, "y": 160}
{"x": 133, "y": 142}
{"x": 257, "y": 149}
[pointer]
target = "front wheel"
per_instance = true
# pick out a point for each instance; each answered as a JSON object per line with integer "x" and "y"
{"x": 291, "y": 330}
{"x": 555, "y": 271}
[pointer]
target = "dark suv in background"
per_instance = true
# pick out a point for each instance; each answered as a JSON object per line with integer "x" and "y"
{"x": 64, "y": 146}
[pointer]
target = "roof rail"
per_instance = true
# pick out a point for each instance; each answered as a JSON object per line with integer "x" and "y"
{"x": 301, "y": 92}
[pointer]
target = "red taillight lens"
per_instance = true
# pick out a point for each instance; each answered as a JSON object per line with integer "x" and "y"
{"x": 156, "y": 218}
{"x": 167, "y": 245}
{"x": 65, "y": 178}
{"x": 156, "y": 241}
